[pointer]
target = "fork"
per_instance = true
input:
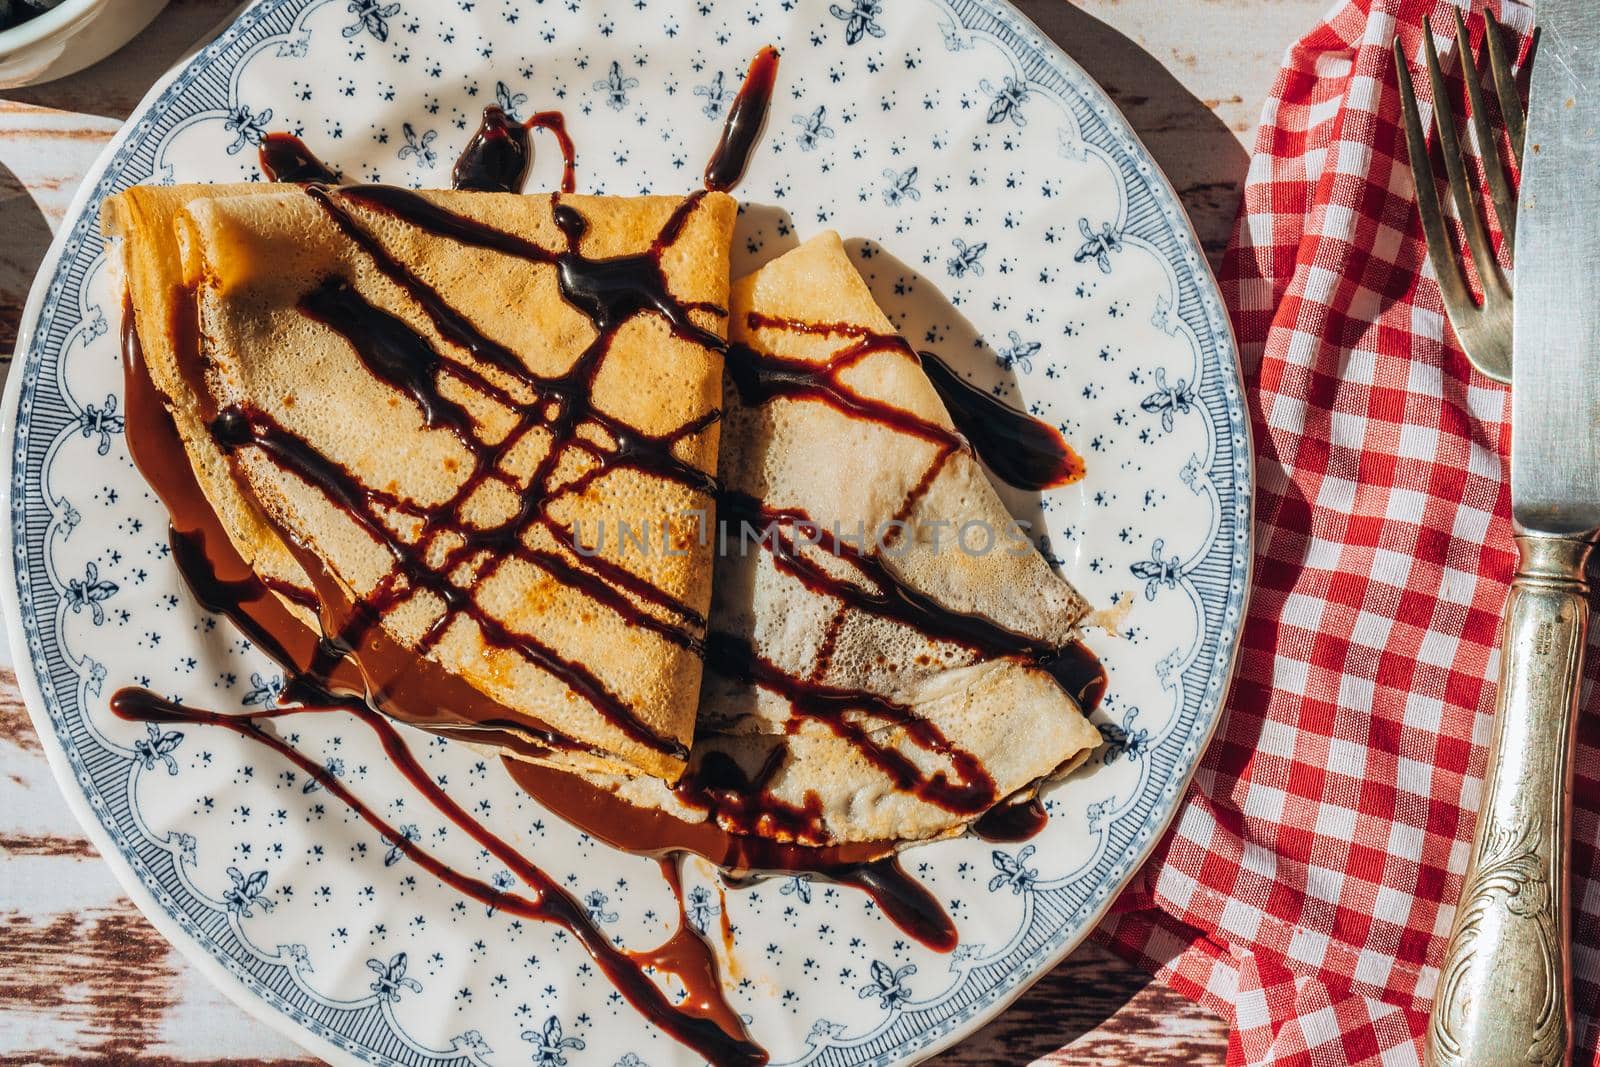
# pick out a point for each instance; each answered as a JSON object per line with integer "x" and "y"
{"x": 1484, "y": 330}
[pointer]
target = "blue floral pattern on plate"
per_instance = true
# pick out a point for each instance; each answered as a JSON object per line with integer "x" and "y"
{"x": 1004, "y": 216}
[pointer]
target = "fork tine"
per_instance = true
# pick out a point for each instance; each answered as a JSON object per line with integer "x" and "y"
{"x": 1494, "y": 173}
{"x": 1462, "y": 191}
{"x": 1452, "y": 284}
{"x": 1505, "y": 85}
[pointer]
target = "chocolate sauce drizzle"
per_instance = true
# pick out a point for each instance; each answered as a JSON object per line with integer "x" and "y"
{"x": 609, "y": 292}
{"x": 706, "y": 1023}
{"x": 971, "y": 793}
{"x": 746, "y": 116}
{"x": 1022, "y": 450}
{"x": 760, "y": 378}
{"x": 499, "y": 155}
{"x": 749, "y": 829}
{"x": 1016, "y": 819}
{"x": 285, "y": 158}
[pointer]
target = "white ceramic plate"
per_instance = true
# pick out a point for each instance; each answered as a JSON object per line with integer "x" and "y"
{"x": 1007, "y": 219}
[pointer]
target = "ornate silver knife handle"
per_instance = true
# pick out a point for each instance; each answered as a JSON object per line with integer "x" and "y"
{"x": 1505, "y": 986}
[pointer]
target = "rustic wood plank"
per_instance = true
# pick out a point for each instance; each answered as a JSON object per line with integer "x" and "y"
{"x": 84, "y": 979}
{"x": 1096, "y": 1009}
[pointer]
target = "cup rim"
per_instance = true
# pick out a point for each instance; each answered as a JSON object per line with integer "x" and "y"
{"x": 42, "y": 26}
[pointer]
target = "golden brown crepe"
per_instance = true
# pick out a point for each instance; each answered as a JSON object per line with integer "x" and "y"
{"x": 524, "y": 620}
{"x": 797, "y": 453}
{"x": 142, "y": 218}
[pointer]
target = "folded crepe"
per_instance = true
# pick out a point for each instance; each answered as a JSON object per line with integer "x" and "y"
{"x": 862, "y": 690}
{"x": 421, "y": 408}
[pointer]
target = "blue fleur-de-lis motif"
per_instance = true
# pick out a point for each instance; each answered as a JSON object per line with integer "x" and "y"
{"x": 595, "y": 904}
{"x": 333, "y": 767}
{"x": 298, "y": 954}
{"x": 1095, "y": 813}
{"x": 264, "y": 691}
{"x": 630, "y": 1059}
{"x": 392, "y": 978}
{"x": 888, "y": 985}
{"x": 902, "y": 186}
{"x": 90, "y": 591}
{"x": 954, "y": 39}
{"x": 1020, "y": 353}
{"x": 798, "y": 886}
{"x": 188, "y": 849}
{"x": 501, "y": 881}
{"x": 246, "y": 893}
{"x": 102, "y": 420}
{"x": 813, "y": 128}
{"x": 408, "y": 832}
{"x": 716, "y": 94}
{"x": 1014, "y": 871}
{"x": 1169, "y": 400}
{"x": 246, "y": 127}
{"x": 1123, "y": 740}
{"x": 860, "y": 19}
{"x": 1097, "y": 246}
{"x": 616, "y": 85}
{"x": 420, "y": 147}
{"x": 508, "y": 100}
{"x": 372, "y": 16}
{"x": 97, "y": 676}
{"x": 550, "y": 1045}
{"x": 1156, "y": 571}
{"x": 472, "y": 1041}
{"x": 1006, "y": 101}
{"x": 700, "y": 908}
{"x": 967, "y": 259}
{"x": 157, "y": 746}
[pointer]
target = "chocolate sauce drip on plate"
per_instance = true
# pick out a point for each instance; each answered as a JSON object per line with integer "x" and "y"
{"x": 1080, "y": 672}
{"x": 1021, "y": 449}
{"x": 869, "y": 866}
{"x": 1016, "y": 819}
{"x": 285, "y": 158}
{"x": 705, "y": 1022}
{"x": 746, "y": 117}
{"x": 500, "y": 153}
{"x": 905, "y": 901}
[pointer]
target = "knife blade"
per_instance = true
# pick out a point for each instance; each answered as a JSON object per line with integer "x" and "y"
{"x": 1555, "y": 388}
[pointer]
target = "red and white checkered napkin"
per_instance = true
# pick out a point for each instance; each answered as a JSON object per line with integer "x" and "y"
{"x": 1307, "y": 888}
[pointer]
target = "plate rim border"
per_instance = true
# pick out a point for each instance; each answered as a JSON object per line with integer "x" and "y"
{"x": 237, "y": 989}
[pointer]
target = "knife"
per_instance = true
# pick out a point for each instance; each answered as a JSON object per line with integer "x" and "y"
{"x": 1504, "y": 994}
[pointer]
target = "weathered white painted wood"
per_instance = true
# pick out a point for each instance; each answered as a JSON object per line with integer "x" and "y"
{"x": 84, "y": 978}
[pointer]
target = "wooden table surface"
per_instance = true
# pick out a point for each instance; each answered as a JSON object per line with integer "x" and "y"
{"x": 83, "y": 977}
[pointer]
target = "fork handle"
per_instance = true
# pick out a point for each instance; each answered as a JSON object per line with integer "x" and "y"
{"x": 1505, "y": 987}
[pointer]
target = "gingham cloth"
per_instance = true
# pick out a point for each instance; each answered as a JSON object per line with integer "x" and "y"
{"x": 1307, "y": 888}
